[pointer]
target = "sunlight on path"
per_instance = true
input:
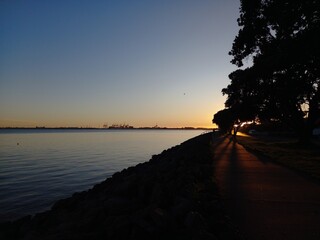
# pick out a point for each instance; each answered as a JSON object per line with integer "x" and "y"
{"x": 241, "y": 134}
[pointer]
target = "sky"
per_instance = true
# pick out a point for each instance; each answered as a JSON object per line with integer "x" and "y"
{"x": 84, "y": 63}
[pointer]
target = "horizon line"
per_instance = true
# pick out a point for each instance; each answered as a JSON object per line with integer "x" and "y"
{"x": 111, "y": 128}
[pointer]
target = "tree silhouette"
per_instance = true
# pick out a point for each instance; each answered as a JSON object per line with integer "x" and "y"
{"x": 225, "y": 120}
{"x": 281, "y": 39}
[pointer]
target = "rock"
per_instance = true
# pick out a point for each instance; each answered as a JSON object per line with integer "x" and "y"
{"x": 118, "y": 206}
{"x": 194, "y": 220}
{"x": 181, "y": 207}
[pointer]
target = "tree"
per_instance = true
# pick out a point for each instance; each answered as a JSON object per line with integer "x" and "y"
{"x": 225, "y": 120}
{"x": 281, "y": 37}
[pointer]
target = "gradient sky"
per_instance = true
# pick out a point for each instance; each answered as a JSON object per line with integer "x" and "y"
{"x": 86, "y": 63}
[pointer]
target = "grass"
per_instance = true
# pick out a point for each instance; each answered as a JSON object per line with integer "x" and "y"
{"x": 286, "y": 151}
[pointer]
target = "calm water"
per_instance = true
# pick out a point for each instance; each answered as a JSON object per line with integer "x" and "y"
{"x": 38, "y": 167}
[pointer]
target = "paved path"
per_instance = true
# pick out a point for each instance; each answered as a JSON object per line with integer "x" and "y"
{"x": 265, "y": 200}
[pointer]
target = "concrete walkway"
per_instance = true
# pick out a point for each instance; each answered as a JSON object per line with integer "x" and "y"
{"x": 265, "y": 200}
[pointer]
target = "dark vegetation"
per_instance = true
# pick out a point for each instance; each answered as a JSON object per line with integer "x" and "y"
{"x": 280, "y": 39}
{"x": 173, "y": 196}
{"x": 286, "y": 151}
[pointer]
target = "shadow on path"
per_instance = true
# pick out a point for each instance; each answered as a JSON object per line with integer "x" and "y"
{"x": 265, "y": 200}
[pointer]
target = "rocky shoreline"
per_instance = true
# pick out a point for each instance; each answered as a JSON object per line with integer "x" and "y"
{"x": 172, "y": 196}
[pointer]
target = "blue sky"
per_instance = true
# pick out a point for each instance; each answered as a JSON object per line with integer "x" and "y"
{"x": 86, "y": 63}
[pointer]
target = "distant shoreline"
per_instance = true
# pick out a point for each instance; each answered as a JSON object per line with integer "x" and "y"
{"x": 110, "y": 128}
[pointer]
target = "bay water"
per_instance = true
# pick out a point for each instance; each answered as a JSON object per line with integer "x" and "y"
{"x": 41, "y": 166}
